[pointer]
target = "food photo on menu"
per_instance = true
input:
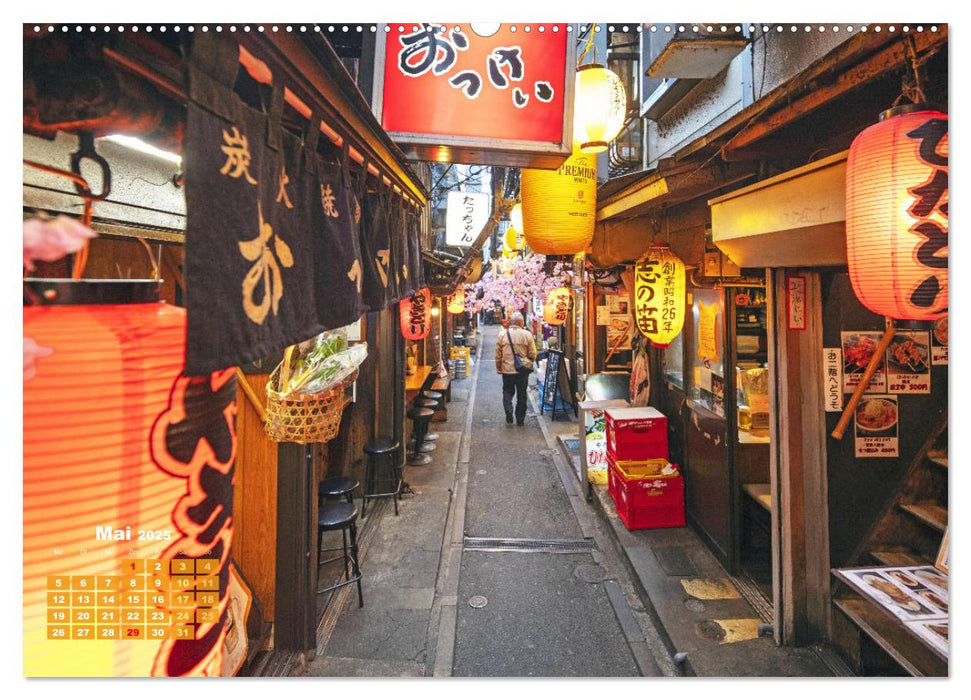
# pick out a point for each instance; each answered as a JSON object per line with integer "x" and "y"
{"x": 900, "y": 591}
{"x": 876, "y": 417}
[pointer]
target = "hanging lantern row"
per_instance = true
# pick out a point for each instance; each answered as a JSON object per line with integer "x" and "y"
{"x": 557, "y": 306}
{"x": 600, "y": 108}
{"x": 559, "y": 206}
{"x": 416, "y": 315}
{"x": 897, "y": 214}
{"x": 456, "y": 302}
{"x": 659, "y": 294}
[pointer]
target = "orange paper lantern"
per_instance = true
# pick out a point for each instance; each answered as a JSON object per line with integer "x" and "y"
{"x": 659, "y": 295}
{"x": 896, "y": 215}
{"x": 416, "y": 315}
{"x": 557, "y": 306}
{"x": 456, "y": 302}
{"x": 125, "y": 460}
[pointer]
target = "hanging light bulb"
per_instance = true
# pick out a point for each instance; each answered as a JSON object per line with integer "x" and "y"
{"x": 600, "y": 108}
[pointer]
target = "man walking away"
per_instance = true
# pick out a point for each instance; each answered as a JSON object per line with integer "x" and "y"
{"x": 515, "y": 341}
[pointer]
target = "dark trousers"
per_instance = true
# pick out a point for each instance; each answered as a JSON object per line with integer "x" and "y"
{"x": 515, "y": 384}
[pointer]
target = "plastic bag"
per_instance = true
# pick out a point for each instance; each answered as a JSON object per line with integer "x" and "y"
{"x": 308, "y": 364}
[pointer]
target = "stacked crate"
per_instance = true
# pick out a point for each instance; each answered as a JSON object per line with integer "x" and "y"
{"x": 646, "y": 493}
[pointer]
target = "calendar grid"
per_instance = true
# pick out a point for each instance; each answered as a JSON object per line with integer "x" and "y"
{"x": 149, "y": 599}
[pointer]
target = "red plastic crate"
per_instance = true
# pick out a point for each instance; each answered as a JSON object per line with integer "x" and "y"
{"x": 636, "y": 434}
{"x": 648, "y": 502}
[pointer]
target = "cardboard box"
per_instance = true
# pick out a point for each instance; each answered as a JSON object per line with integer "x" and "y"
{"x": 636, "y": 434}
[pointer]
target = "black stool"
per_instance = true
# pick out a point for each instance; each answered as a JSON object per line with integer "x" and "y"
{"x": 337, "y": 487}
{"x": 340, "y": 516}
{"x": 435, "y": 396}
{"x": 378, "y": 451}
{"x": 425, "y": 445}
{"x": 420, "y": 417}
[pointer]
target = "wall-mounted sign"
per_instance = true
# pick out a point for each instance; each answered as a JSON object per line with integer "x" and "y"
{"x": 708, "y": 332}
{"x": 465, "y": 215}
{"x": 876, "y": 420}
{"x": 909, "y": 363}
{"x": 939, "y": 342}
{"x": 833, "y": 379}
{"x": 448, "y": 94}
{"x": 796, "y": 302}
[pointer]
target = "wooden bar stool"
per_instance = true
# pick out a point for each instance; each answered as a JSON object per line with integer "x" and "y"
{"x": 381, "y": 451}
{"x": 340, "y": 516}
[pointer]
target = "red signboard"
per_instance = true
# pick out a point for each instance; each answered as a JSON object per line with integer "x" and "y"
{"x": 447, "y": 87}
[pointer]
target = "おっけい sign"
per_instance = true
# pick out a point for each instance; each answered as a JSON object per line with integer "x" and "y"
{"x": 501, "y": 99}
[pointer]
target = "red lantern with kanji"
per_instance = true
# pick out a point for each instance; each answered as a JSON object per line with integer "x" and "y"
{"x": 557, "y": 307}
{"x": 456, "y": 302}
{"x": 128, "y": 469}
{"x": 416, "y": 315}
{"x": 896, "y": 214}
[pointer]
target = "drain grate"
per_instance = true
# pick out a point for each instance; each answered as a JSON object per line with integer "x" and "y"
{"x": 510, "y": 544}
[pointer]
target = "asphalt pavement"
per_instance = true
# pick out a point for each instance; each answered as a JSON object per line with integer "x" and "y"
{"x": 537, "y": 613}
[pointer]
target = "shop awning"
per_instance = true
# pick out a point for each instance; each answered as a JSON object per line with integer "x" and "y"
{"x": 793, "y": 219}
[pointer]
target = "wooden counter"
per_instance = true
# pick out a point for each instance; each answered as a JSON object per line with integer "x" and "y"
{"x": 414, "y": 382}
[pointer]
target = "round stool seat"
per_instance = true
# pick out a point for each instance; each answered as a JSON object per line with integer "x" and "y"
{"x": 431, "y": 437}
{"x": 421, "y": 414}
{"x": 334, "y": 516}
{"x": 426, "y": 403}
{"x": 337, "y": 486}
{"x": 431, "y": 395}
{"x": 381, "y": 446}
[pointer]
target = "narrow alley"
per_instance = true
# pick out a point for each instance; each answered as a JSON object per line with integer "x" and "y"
{"x": 487, "y": 570}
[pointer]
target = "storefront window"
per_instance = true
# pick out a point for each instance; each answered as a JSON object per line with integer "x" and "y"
{"x": 708, "y": 350}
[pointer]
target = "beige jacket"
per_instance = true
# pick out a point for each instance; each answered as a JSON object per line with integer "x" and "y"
{"x": 522, "y": 341}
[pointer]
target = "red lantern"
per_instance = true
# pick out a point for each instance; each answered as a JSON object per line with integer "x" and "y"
{"x": 557, "y": 306}
{"x": 126, "y": 462}
{"x": 896, "y": 214}
{"x": 416, "y": 315}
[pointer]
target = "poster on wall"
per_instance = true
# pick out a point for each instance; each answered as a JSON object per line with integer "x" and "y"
{"x": 621, "y": 322}
{"x": 708, "y": 332}
{"x": 858, "y": 348}
{"x": 833, "y": 379}
{"x": 603, "y": 315}
{"x": 875, "y": 418}
{"x": 939, "y": 342}
{"x": 908, "y": 363}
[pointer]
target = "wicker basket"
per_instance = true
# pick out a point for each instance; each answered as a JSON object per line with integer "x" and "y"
{"x": 303, "y": 418}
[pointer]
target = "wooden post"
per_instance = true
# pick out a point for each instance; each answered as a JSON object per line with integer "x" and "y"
{"x": 875, "y": 360}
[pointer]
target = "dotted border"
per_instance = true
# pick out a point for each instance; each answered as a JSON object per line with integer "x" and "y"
{"x": 373, "y": 28}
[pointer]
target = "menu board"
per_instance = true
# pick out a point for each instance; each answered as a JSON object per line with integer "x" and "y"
{"x": 939, "y": 342}
{"x": 909, "y": 593}
{"x": 909, "y": 363}
{"x": 858, "y": 348}
{"x": 876, "y": 425}
{"x": 620, "y": 322}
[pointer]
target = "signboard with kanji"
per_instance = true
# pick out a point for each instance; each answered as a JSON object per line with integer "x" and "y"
{"x": 445, "y": 93}
{"x": 465, "y": 215}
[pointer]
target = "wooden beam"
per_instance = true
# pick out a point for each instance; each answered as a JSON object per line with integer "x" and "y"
{"x": 888, "y": 58}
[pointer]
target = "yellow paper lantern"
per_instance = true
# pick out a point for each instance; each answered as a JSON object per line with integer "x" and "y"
{"x": 456, "y": 302}
{"x": 559, "y": 206}
{"x": 516, "y": 216}
{"x": 659, "y": 292}
{"x": 600, "y": 107}
{"x": 509, "y": 240}
{"x": 557, "y": 306}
